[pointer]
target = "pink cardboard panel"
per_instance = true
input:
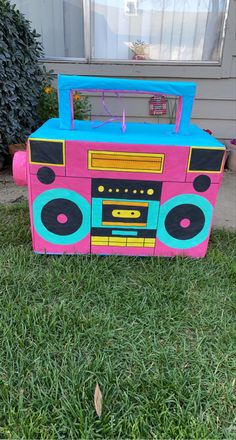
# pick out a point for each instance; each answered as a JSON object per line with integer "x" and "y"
{"x": 174, "y": 161}
{"x": 170, "y": 190}
{"x": 59, "y": 171}
{"x": 80, "y": 185}
{"x": 42, "y": 246}
{"x": 185, "y": 220}
{"x": 199, "y": 251}
{"x": 215, "y": 177}
{"x": 130, "y": 251}
{"x": 73, "y": 209}
{"x": 34, "y": 166}
{"x": 64, "y": 202}
{"x": 19, "y": 168}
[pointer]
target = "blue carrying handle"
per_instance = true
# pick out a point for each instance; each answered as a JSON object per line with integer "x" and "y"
{"x": 67, "y": 83}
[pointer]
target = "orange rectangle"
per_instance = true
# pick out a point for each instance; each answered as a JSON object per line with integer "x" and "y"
{"x": 118, "y": 223}
{"x": 122, "y": 161}
{"x": 130, "y": 203}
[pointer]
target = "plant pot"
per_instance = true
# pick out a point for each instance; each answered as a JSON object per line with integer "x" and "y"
{"x": 13, "y": 148}
{"x": 2, "y": 162}
{"x": 232, "y": 158}
{"x": 139, "y": 57}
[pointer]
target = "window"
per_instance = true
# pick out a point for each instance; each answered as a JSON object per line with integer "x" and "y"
{"x": 128, "y": 30}
{"x": 60, "y": 24}
{"x": 162, "y": 30}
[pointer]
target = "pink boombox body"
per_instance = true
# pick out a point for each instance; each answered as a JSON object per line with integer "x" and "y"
{"x": 130, "y": 189}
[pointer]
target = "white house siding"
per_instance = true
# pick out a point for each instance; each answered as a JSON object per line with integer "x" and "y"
{"x": 215, "y": 104}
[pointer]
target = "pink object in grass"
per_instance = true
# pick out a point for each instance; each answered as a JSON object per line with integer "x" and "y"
{"x": 19, "y": 168}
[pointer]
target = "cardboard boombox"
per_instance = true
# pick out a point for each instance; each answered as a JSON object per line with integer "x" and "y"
{"x": 121, "y": 188}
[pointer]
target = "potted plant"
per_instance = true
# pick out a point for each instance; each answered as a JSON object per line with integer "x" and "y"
{"x": 21, "y": 77}
{"x": 48, "y": 105}
{"x": 140, "y": 50}
{"x": 27, "y": 98}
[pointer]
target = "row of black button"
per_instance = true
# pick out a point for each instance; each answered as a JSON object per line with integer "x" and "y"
{"x": 47, "y": 176}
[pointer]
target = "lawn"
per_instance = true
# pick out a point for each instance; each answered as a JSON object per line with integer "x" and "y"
{"x": 158, "y": 335}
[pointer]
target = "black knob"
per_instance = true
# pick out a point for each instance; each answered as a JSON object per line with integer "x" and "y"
{"x": 46, "y": 175}
{"x": 201, "y": 183}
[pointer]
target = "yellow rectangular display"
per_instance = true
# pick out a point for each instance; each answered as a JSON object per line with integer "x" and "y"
{"x": 115, "y": 202}
{"x": 122, "y": 161}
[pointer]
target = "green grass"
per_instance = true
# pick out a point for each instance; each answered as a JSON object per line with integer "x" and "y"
{"x": 158, "y": 335}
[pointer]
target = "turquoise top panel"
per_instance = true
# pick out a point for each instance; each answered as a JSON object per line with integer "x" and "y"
{"x": 74, "y": 82}
{"x": 66, "y": 83}
{"x": 136, "y": 133}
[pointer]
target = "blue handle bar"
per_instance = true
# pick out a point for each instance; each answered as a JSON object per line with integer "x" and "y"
{"x": 66, "y": 83}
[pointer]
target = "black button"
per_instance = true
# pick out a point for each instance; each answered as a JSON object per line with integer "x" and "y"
{"x": 46, "y": 175}
{"x": 201, "y": 183}
{"x": 69, "y": 209}
{"x": 189, "y": 212}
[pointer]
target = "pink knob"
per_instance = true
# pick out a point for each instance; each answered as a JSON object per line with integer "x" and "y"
{"x": 19, "y": 168}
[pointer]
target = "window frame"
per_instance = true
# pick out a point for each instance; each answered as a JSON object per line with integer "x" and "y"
{"x": 149, "y": 68}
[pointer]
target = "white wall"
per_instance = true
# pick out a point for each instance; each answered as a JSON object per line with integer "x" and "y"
{"x": 215, "y": 105}
{"x": 59, "y": 23}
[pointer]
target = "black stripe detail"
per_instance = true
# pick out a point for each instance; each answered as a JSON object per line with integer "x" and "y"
{"x": 137, "y": 189}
